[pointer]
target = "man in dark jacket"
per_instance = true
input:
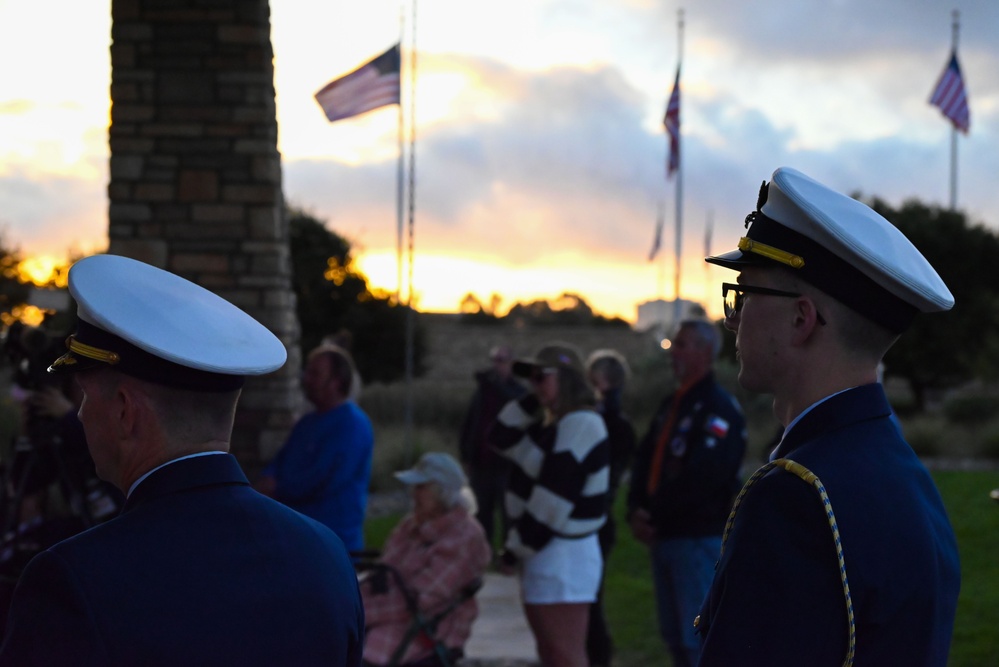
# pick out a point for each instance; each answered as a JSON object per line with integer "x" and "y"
{"x": 685, "y": 477}
{"x": 198, "y": 569}
{"x": 488, "y": 472}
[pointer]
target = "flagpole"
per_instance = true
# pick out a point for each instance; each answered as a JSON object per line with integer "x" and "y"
{"x": 661, "y": 331}
{"x": 679, "y": 187}
{"x": 400, "y": 173}
{"x": 709, "y": 225}
{"x": 953, "y": 129}
{"x": 661, "y": 273}
{"x": 410, "y": 324}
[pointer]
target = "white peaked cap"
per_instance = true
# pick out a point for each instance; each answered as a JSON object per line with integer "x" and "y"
{"x": 155, "y": 325}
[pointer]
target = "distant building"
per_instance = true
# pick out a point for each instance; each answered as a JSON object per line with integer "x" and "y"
{"x": 661, "y": 315}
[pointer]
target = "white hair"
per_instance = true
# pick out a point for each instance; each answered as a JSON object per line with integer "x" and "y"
{"x": 457, "y": 497}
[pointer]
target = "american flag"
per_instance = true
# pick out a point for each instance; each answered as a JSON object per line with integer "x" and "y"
{"x": 672, "y": 122}
{"x": 949, "y": 95}
{"x": 372, "y": 85}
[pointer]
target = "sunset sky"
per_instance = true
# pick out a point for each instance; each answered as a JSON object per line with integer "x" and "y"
{"x": 540, "y": 149}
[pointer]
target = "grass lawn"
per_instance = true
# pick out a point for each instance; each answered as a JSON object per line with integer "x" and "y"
{"x": 631, "y": 611}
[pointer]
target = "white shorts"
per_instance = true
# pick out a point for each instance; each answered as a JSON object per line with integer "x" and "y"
{"x": 565, "y": 571}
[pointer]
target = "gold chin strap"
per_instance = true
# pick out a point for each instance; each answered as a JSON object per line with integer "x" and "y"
{"x": 770, "y": 252}
{"x": 91, "y": 352}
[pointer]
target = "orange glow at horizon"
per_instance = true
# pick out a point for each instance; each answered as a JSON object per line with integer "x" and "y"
{"x": 43, "y": 270}
{"x": 442, "y": 280}
{"x": 32, "y": 316}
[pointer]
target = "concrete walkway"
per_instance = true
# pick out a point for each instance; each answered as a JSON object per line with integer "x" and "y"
{"x": 500, "y": 636}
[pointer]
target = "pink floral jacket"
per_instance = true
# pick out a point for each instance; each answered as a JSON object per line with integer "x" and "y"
{"x": 436, "y": 560}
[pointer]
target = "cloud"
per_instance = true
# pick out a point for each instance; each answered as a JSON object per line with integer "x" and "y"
{"x": 569, "y": 163}
{"x": 50, "y": 213}
{"x": 563, "y": 165}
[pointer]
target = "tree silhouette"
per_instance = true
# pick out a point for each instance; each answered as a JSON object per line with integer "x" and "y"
{"x": 943, "y": 350}
{"x": 567, "y": 309}
{"x": 333, "y": 297}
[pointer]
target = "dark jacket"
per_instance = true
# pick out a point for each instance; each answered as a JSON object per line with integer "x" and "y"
{"x": 777, "y": 597}
{"x": 198, "y": 569}
{"x": 701, "y": 466}
{"x": 491, "y": 394}
{"x": 621, "y": 440}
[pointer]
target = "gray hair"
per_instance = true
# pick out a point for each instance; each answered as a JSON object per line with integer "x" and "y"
{"x": 706, "y": 331}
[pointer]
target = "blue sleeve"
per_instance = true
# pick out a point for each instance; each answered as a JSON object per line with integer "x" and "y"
{"x": 321, "y": 454}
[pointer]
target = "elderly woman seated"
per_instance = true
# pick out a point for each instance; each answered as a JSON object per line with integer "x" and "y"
{"x": 434, "y": 553}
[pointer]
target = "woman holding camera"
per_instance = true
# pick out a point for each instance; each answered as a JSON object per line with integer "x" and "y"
{"x": 556, "y": 500}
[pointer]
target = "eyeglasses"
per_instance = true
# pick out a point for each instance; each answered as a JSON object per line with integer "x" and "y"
{"x": 735, "y": 295}
{"x": 539, "y": 374}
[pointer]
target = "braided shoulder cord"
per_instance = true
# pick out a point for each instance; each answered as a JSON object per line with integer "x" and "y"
{"x": 809, "y": 477}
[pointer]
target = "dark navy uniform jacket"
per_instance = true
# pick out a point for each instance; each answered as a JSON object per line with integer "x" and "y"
{"x": 777, "y": 598}
{"x": 198, "y": 569}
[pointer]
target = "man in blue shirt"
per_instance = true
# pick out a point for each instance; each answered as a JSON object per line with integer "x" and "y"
{"x": 324, "y": 467}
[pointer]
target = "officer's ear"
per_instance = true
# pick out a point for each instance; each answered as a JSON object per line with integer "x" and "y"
{"x": 807, "y": 320}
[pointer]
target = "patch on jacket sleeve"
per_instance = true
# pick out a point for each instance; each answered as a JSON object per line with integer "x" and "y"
{"x": 717, "y": 426}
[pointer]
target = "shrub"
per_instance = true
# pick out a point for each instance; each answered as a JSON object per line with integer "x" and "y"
{"x": 971, "y": 408}
{"x": 927, "y": 435}
{"x": 988, "y": 444}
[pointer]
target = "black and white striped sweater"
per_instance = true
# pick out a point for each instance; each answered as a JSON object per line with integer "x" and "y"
{"x": 559, "y": 479}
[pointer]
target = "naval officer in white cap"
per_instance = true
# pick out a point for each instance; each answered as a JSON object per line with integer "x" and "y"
{"x": 838, "y": 551}
{"x": 198, "y": 569}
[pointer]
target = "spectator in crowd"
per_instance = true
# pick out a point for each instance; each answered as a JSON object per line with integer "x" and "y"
{"x": 198, "y": 569}
{"x": 608, "y": 371}
{"x": 487, "y": 471}
{"x": 556, "y": 500}
{"x": 685, "y": 477}
{"x": 436, "y": 550}
{"x": 839, "y": 550}
{"x": 324, "y": 467}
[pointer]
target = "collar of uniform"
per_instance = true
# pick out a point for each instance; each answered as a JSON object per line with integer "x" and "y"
{"x": 186, "y": 473}
{"x": 864, "y": 402}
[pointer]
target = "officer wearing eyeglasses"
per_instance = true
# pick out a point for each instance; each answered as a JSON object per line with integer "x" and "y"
{"x": 838, "y": 551}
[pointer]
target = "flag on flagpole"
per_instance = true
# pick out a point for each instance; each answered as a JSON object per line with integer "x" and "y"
{"x": 949, "y": 95}
{"x": 672, "y": 122}
{"x": 658, "y": 240}
{"x": 372, "y": 85}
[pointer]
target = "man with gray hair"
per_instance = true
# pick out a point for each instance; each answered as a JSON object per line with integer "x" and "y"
{"x": 685, "y": 476}
{"x": 324, "y": 467}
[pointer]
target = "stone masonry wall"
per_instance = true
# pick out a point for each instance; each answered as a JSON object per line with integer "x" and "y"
{"x": 196, "y": 176}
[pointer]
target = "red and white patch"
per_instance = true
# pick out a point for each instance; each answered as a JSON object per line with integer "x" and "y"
{"x": 717, "y": 427}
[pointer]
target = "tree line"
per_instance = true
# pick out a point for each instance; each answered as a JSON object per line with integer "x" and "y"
{"x": 335, "y": 301}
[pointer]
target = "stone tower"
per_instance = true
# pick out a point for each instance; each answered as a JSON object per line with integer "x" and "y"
{"x": 196, "y": 176}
